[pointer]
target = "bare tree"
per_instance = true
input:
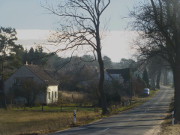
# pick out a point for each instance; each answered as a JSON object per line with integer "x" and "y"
{"x": 80, "y": 28}
{"x": 160, "y": 22}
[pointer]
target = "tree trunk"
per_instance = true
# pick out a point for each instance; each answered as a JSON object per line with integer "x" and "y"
{"x": 176, "y": 73}
{"x": 165, "y": 74}
{"x": 101, "y": 68}
{"x": 153, "y": 82}
{"x": 101, "y": 84}
{"x": 158, "y": 79}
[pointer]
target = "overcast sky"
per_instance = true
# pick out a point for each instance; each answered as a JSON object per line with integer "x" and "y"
{"x": 33, "y": 22}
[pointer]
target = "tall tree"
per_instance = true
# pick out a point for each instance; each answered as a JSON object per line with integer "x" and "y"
{"x": 15, "y": 57}
{"x": 127, "y": 63}
{"x": 155, "y": 67}
{"x": 7, "y": 42}
{"x": 160, "y": 22}
{"x": 35, "y": 56}
{"x": 81, "y": 28}
{"x": 107, "y": 62}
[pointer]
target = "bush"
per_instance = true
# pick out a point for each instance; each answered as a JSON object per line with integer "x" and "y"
{"x": 113, "y": 91}
{"x": 138, "y": 85}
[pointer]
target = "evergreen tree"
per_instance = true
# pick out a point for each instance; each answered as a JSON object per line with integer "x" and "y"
{"x": 31, "y": 55}
{"x": 107, "y": 62}
{"x": 15, "y": 57}
{"x": 7, "y": 46}
{"x": 35, "y": 56}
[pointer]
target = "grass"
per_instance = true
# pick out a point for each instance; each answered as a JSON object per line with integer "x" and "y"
{"x": 17, "y": 121}
{"x": 170, "y": 129}
{"x": 55, "y": 108}
{"x": 22, "y": 122}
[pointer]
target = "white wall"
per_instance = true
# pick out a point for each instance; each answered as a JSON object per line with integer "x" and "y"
{"x": 51, "y": 90}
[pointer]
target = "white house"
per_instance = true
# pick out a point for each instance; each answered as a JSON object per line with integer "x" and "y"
{"x": 38, "y": 75}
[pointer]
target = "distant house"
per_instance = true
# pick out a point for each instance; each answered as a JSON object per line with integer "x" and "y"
{"x": 129, "y": 78}
{"x": 38, "y": 75}
{"x": 121, "y": 75}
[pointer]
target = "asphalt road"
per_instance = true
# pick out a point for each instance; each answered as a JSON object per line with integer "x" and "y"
{"x": 137, "y": 121}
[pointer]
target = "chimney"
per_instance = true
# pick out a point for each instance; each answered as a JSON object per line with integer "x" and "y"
{"x": 26, "y": 63}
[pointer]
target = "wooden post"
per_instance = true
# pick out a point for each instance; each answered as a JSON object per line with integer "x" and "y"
{"x": 172, "y": 117}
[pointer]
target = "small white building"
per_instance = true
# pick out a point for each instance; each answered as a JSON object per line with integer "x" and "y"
{"x": 38, "y": 75}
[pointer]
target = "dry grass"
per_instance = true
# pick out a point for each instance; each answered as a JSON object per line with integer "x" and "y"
{"x": 76, "y": 95}
{"x": 168, "y": 129}
{"x": 23, "y": 122}
{"x": 14, "y": 122}
{"x": 73, "y": 96}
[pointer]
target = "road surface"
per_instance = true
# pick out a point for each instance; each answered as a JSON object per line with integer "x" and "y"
{"x": 138, "y": 121}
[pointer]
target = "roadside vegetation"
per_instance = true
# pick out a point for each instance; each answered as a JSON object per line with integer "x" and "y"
{"x": 167, "y": 128}
{"x": 20, "y": 120}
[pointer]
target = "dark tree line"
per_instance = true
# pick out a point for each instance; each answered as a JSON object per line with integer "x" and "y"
{"x": 35, "y": 56}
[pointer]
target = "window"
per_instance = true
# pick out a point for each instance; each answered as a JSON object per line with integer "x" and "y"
{"x": 17, "y": 81}
{"x": 49, "y": 95}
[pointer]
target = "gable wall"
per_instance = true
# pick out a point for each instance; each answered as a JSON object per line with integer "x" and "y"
{"x": 22, "y": 72}
{"x": 109, "y": 77}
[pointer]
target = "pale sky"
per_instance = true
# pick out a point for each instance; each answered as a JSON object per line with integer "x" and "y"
{"x": 33, "y": 24}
